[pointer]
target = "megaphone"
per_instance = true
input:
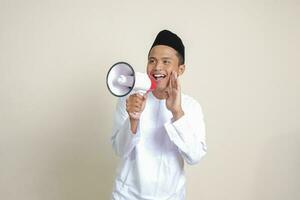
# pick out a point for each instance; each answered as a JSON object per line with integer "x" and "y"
{"x": 121, "y": 79}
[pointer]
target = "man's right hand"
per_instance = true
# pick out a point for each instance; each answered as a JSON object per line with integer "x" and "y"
{"x": 135, "y": 104}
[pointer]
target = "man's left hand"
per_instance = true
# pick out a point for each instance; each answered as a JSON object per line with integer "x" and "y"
{"x": 173, "y": 101}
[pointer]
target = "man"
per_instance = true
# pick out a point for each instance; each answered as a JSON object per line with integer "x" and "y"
{"x": 154, "y": 134}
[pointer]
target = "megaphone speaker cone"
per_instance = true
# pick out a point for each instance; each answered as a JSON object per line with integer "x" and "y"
{"x": 121, "y": 79}
{"x": 120, "y": 71}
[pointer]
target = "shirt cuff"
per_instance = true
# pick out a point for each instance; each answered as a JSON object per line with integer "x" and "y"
{"x": 180, "y": 133}
{"x": 131, "y": 135}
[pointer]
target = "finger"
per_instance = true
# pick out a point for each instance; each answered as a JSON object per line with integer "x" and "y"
{"x": 134, "y": 109}
{"x": 145, "y": 96}
{"x": 138, "y": 105}
{"x": 135, "y": 115}
{"x": 135, "y": 98}
{"x": 138, "y": 101}
{"x": 178, "y": 83}
{"x": 140, "y": 96}
{"x": 174, "y": 83}
{"x": 167, "y": 91}
{"x": 170, "y": 81}
{"x": 134, "y": 106}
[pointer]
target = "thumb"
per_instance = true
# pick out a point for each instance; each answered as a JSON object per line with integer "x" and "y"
{"x": 167, "y": 91}
{"x": 145, "y": 95}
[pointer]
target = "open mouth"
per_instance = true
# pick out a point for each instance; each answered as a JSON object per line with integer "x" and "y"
{"x": 159, "y": 77}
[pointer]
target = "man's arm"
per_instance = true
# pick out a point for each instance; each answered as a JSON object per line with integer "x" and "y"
{"x": 188, "y": 134}
{"x": 125, "y": 129}
{"x": 123, "y": 139}
{"x": 187, "y": 129}
{"x": 135, "y": 105}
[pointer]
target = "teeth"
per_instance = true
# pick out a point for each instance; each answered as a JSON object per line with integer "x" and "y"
{"x": 159, "y": 76}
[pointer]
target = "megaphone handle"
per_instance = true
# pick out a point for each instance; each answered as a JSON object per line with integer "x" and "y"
{"x": 142, "y": 92}
{"x": 136, "y": 115}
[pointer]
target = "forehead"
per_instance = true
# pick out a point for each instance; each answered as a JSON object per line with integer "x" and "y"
{"x": 162, "y": 51}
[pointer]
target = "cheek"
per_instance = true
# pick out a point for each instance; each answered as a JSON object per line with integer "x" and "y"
{"x": 149, "y": 69}
{"x": 170, "y": 70}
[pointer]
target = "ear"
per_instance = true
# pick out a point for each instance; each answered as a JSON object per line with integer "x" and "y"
{"x": 181, "y": 69}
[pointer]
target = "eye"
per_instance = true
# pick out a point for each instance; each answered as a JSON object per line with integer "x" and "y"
{"x": 151, "y": 61}
{"x": 166, "y": 62}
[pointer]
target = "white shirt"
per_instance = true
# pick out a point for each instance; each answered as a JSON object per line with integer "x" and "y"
{"x": 152, "y": 160}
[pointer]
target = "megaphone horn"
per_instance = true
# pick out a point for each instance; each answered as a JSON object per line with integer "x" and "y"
{"x": 121, "y": 79}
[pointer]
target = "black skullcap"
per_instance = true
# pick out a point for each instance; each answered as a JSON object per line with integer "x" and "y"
{"x": 170, "y": 39}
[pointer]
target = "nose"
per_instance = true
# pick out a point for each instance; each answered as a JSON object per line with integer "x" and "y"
{"x": 158, "y": 66}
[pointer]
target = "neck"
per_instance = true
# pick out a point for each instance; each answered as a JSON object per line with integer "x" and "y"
{"x": 159, "y": 94}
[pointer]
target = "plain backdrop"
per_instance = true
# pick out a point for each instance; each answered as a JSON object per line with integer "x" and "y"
{"x": 242, "y": 65}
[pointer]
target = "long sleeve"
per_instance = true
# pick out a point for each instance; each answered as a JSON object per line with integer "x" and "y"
{"x": 188, "y": 133}
{"x": 123, "y": 140}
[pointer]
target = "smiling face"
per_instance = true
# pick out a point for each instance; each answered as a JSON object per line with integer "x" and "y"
{"x": 162, "y": 60}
